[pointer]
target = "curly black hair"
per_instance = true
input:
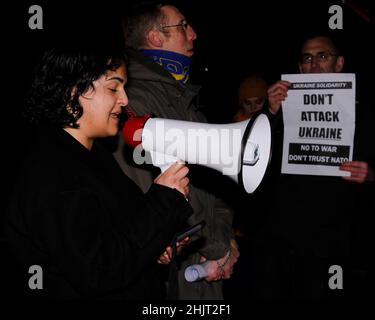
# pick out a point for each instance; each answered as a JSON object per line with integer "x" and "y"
{"x": 61, "y": 77}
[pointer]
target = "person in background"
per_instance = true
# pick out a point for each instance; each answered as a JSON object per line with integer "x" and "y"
{"x": 160, "y": 45}
{"x": 252, "y": 96}
{"x": 316, "y": 222}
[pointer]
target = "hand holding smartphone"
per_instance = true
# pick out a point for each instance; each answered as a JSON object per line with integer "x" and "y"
{"x": 190, "y": 231}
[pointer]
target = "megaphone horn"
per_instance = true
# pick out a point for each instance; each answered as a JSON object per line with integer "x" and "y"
{"x": 240, "y": 150}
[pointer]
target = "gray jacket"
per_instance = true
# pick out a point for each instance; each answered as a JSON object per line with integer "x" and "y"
{"x": 151, "y": 89}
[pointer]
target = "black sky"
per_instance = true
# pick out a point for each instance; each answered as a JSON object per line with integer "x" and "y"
{"x": 234, "y": 38}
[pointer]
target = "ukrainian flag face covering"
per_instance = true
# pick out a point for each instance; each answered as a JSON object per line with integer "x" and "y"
{"x": 178, "y": 65}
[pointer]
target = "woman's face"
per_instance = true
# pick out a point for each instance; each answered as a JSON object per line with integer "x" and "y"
{"x": 102, "y": 105}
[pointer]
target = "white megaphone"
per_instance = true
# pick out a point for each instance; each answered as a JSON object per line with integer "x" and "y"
{"x": 240, "y": 150}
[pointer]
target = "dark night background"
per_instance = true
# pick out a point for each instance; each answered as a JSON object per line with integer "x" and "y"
{"x": 234, "y": 38}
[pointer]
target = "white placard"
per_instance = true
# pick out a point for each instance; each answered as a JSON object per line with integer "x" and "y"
{"x": 319, "y": 123}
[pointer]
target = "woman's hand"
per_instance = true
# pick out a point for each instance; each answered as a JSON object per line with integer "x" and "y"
{"x": 166, "y": 257}
{"x": 175, "y": 177}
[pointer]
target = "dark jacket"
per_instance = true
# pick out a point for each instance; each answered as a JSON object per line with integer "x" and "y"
{"x": 90, "y": 228}
{"x": 151, "y": 89}
{"x": 313, "y": 222}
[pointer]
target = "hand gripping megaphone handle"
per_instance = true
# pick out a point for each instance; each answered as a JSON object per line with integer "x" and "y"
{"x": 167, "y": 161}
{"x": 163, "y": 161}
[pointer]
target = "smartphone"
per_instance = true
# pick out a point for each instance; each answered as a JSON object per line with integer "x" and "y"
{"x": 190, "y": 231}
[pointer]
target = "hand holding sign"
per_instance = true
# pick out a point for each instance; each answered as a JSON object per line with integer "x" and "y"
{"x": 277, "y": 93}
{"x": 359, "y": 171}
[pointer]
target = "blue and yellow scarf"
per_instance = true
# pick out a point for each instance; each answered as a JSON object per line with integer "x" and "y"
{"x": 178, "y": 65}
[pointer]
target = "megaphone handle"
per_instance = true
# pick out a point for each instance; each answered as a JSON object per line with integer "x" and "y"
{"x": 166, "y": 162}
{"x": 164, "y": 167}
{"x": 163, "y": 161}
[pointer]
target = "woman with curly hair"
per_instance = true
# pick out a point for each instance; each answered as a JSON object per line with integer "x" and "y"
{"x": 73, "y": 213}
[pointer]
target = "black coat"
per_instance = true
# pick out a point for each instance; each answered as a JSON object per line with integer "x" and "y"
{"x": 90, "y": 228}
{"x": 310, "y": 223}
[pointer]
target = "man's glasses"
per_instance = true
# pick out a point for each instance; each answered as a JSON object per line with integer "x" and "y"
{"x": 319, "y": 57}
{"x": 184, "y": 24}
